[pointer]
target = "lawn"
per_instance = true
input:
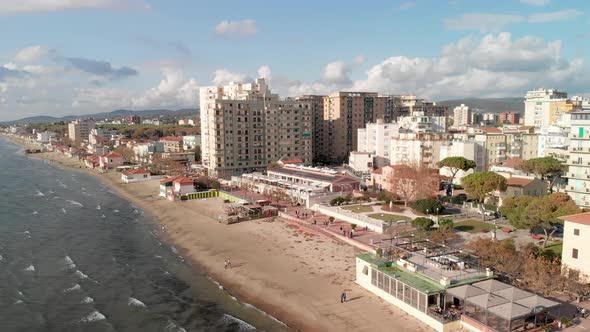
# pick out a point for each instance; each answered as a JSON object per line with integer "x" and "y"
{"x": 473, "y": 226}
{"x": 358, "y": 209}
{"x": 555, "y": 248}
{"x": 388, "y": 217}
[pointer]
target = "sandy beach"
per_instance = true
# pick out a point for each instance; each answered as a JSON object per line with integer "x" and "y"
{"x": 294, "y": 275}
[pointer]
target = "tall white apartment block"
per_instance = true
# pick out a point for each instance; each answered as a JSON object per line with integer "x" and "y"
{"x": 79, "y": 129}
{"x": 244, "y": 127}
{"x": 461, "y": 116}
{"x": 375, "y": 138}
{"x": 418, "y": 122}
{"x": 417, "y": 148}
{"x": 541, "y": 106}
{"x": 578, "y": 174}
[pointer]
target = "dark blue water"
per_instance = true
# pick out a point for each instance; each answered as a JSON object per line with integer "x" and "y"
{"x": 76, "y": 257}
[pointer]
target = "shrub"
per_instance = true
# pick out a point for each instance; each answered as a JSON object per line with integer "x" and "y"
{"x": 457, "y": 187}
{"x": 379, "y": 252}
{"x": 446, "y": 223}
{"x": 331, "y": 219}
{"x": 422, "y": 223}
{"x": 429, "y": 204}
{"x": 353, "y": 226}
{"x": 337, "y": 201}
{"x": 383, "y": 196}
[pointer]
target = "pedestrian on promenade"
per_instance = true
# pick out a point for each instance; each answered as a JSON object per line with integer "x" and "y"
{"x": 228, "y": 263}
{"x": 343, "y": 297}
{"x": 225, "y": 264}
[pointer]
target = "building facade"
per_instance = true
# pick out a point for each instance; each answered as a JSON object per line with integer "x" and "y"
{"x": 461, "y": 116}
{"x": 543, "y": 106}
{"x": 79, "y": 129}
{"x": 576, "y": 236}
{"x": 509, "y": 117}
{"x": 578, "y": 173}
{"x": 244, "y": 127}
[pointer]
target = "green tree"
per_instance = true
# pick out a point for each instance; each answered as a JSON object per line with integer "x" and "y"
{"x": 422, "y": 223}
{"x": 542, "y": 167}
{"x": 480, "y": 185}
{"x": 456, "y": 164}
{"x": 544, "y": 212}
{"x": 514, "y": 208}
{"x": 446, "y": 223}
{"x": 428, "y": 206}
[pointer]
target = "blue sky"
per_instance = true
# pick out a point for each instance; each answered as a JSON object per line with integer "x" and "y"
{"x": 73, "y": 57}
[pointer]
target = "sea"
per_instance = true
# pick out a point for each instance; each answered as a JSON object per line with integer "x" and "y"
{"x": 76, "y": 257}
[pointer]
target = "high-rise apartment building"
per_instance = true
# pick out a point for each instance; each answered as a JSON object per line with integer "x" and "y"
{"x": 543, "y": 106}
{"x": 79, "y": 129}
{"x": 244, "y": 127}
{"x": 461, "y": 116}
{"x": 316, "y": 104}
{"x": 509, "y": 117}
{"x": 578, "y": 174}
{"x": 344, "y": 114}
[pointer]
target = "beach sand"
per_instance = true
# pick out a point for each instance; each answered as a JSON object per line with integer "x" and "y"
{"x": 293, "y": 275}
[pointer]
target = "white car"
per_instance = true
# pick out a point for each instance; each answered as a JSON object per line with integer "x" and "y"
{"x": 485, "y": 212}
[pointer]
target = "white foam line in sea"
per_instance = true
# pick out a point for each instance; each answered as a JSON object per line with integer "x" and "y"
{"x": 87, "y": 299}
{"x": 73, "y": 288}
{"x": 30, "y": 268}
{"x": 242, "y": 325}
{"x": 135, "y": 302}
{"x": 93, "y": 317}
{"x": 75, "y": 203}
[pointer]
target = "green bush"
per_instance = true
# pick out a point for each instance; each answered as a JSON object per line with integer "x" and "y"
{"x": 383, "y": 196}
{"x": 446, "y": 223}
{"x": 457, "y": 187}
{"x": 430, "y": 205}
{"x": 331, "y": 219}
{"x": 422, "y": 223}
{"x": 458, "y": 200}
{"x": 337, "y": 201}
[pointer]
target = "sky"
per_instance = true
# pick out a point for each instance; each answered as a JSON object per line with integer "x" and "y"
{"x": 63, "y": 57}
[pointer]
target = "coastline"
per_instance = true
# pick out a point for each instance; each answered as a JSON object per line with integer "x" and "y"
{"x": 284, "y": 271}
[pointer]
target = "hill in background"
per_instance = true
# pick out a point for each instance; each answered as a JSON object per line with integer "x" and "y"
{"x": 494, "y": 105}
{"x": 106, "y": 115}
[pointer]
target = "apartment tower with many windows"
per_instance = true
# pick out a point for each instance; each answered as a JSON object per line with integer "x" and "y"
{"x": 245, "y": 127}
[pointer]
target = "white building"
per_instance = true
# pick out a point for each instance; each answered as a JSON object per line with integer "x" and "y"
{"x": 46, "y": 136}
{"x": 79, "y": 129}
{"x": 244, "y": 127}
{"x": 540, "y": 106}
{"x": 576, "y": 236}
{"x": 461, "y": 116}
{"x": 420, "y": 123}
{"x": 467, "y": 149}
{"x": 189, "y": 142}
{"x": 136, "y": 175}
{"x": 420, "y": 148}
{"x": 361, "y": 162}
{"x": 578, "y": 174}
{"x": 375, "y": 138}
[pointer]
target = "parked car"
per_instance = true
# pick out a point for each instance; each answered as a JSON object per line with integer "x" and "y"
{"x": 486, "y": 212}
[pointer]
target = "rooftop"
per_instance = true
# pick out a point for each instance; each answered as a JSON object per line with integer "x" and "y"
{"x": 518, "y": 181}
{"x": 580, "y": 218}
{"x": 137, "y": 171}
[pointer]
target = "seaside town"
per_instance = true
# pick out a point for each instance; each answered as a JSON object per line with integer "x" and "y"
{"x": 460, "y": 218}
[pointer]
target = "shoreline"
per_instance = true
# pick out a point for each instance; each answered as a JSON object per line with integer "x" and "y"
{"x": 291, "y": 275}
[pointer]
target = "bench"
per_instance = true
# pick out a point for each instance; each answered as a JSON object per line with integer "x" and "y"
{"x": 506, "y": 230}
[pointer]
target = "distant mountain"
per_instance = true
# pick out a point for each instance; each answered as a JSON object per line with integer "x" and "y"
{"x": 105, "y": 115}
{"x": 494, "y": 105}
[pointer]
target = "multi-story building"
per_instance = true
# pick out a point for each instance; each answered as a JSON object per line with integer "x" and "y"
{"x": 189, "y": 142}
{"x": 411, "y": 104}
{"x": 245, "y": 127}
{"x": 46, "y": 136}
{"x": 576, "y": 236}
{"x": 417, "y": 148}
{"x": 172, "y": 144}
{"x": 554, "y": 140}
{"x": 133, "y": 119}
{"x": 543, "y": 106}
{"x": 375, "y": 138}
{"x": 316, "y": 104}
{"x": 79, "y": 129}
{"x": 509, "y": 117}
{"x": 461, "y": 116}
{"x": 578, "y": 174}
{"x": 418, "y": 122}
{"x": 344, "y": 114}
{"x": 467, "y": 149}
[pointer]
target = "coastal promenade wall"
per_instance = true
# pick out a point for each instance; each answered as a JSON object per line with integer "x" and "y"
{"x": 351, "y": 217}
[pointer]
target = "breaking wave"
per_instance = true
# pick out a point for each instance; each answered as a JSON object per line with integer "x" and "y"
{"x": 135, "y": 302}
{"x": 93, "y": 317}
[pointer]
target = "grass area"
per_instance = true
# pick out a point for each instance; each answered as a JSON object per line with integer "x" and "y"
{"x": 556, "y": 248}
{"x": 473, "y": 226}
{"x": 358, "y": 209}
{"x": 388, "y": 217}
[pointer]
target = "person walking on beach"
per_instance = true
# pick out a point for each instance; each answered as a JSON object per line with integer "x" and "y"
{"x": 225, "y": 264}
{"x": 343, "y": 297}
{"x": 228, "y": 263}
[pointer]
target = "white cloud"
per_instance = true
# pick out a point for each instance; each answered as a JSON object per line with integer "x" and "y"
{"x": 265, "y": 72}
{"x": 11, "y": 7}
{"x": 483, "y": 22}
{"x": 496, "y": 65}
{"x": 336, "y": 72}
{"x": 30, "y": 54}
{"x": 539, "y": 3}
{"x": 224, "y": 77}
{"x": 244, "y": 28}
{"x": 407, "y": 5}
{"x": 561, "y": 15}
{"x": 172, "y": 91}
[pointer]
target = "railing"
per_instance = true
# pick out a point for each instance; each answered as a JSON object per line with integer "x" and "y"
{"x": 444, "y": 316}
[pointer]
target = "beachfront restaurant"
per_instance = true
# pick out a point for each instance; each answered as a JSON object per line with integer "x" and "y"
{"x": 476, "y": 302}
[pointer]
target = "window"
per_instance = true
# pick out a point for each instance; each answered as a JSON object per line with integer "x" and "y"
{"x": 575, "y": 253}
{"x": 366, "y": 270}
{"x": 576, "y": 232}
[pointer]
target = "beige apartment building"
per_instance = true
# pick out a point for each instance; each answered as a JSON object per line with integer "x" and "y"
{"x": 79, "y": 129}
{"x": 244, "y": 127}
{"x": 576, "y": 236}
{"x": 316, "y": 104}
{"x": 543, "y": 106}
